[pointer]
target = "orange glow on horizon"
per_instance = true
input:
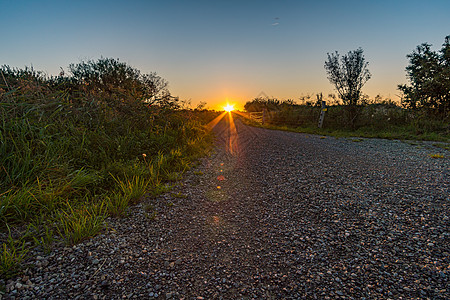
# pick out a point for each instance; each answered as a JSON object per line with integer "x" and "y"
{"x": 228, "y": 108}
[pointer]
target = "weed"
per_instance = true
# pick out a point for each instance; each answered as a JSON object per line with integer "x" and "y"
{"x": 172, "y": 176}
{"x": 133, "y": 188}
{"x": 357, "y": 140}
{"x": 198, "y": 173}
{"x": 380, "y": 120}
{"x": 117, "y": 204}
{"x": 178, "y": 195}
{"x": 77, "y": 224}
{"x": 11, "y": 257}
{"x": 148, "y": 207}
{"x": 159, "y": 189}
{"x": 153, "y": 216}
{"x": 442, "y": 146}
{"x": 45, "y": 239}
{"x": 74, "y": 150}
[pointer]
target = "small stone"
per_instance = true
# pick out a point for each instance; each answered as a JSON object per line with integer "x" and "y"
{"x": 104, "y": 284}
{"x": 95, "y": 261}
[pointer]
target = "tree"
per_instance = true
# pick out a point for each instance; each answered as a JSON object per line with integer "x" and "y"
{"x": 429, "y": 75}
{"x": 112, "y": 78}
{"x": 348, "y": 74}
{"x": 259, "y": 104}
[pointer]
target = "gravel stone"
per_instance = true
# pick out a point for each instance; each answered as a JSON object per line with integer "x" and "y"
{"x": 296, "y": 216}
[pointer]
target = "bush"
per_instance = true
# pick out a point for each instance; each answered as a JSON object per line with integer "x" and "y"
{"x": 380, "y": 118}
{"x": 67, "y": 143}
{"x": 429, "y": 74}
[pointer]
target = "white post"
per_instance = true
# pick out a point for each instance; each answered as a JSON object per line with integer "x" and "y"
{"x": 322, "y": 113}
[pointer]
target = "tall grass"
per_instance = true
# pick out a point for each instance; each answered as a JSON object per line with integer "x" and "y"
{"x": 76, "y": 149}
{"x": 383, "y": 120}
{"x": 12, "y": 254}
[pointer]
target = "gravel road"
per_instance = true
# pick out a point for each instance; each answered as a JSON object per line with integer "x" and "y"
{"x": 272, "y": 215}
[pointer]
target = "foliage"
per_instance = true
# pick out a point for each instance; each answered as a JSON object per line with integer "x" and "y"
{"x": 268, "y": 104}
{"x": 377, "y": 118}
{"x": 429, "y": 75}
{"x": 61, "y": 139}
{"x": 348, "y": 74}
{"x": 77, "y": 224}
{"x": 13, "y": 252}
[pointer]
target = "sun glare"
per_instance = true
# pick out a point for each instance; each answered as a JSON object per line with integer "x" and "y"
{"x": 229, "y": 108}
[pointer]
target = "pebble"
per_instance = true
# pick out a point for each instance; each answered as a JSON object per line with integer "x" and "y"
{"x": 297, "y": 217}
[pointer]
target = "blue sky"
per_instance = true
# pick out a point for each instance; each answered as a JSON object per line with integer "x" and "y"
{"x": 218, "y": 51}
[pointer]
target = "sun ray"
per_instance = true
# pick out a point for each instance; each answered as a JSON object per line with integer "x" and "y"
{"x": 229, "y": 108}
{"x": 214, "y": 122}
{"x": 233, "y": 136}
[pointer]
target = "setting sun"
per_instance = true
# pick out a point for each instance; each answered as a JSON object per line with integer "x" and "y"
{"x": 229, "y": 108}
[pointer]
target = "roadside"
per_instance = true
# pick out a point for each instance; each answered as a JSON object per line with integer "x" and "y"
{"x": 271, "y": 214}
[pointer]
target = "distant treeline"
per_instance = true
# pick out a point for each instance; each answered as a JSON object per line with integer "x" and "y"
{"x": 423, "y": 112}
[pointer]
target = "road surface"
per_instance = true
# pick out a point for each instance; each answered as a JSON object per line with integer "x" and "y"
{"x": 274, "y": 215}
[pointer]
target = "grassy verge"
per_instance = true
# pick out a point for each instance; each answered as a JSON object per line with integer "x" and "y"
{"x": 373, "y": 121}
{"x": 395, "y": 133}
{"x": 71, "y": 156}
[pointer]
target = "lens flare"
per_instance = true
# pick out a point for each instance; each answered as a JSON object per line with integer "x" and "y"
{"x": 229, "y": 108}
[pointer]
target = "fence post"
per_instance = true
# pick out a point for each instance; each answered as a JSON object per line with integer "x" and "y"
{"x": 322, "y": 113}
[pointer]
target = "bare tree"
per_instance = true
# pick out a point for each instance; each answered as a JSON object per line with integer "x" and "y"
{"x": 348, "y": 74}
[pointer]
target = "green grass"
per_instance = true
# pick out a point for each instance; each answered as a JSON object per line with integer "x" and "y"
{"x": 395, "y": 133}
{"x": 13, "y": 252}
{"x": 72, "y": 155}
{"x": 77, "y": 224}
{"x": 442, "y": 146}
{"x": 117, "y": 204}
{"x": 374, "y": 121}
{"x": 178, "y": 195}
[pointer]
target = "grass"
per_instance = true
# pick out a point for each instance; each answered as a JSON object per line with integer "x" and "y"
{"x": 357, "y": 140}
{"x": 442, "y": 146}
{"x": 392, "y": 133}
{"x": 178, "y": 195}
{"x": 72, "y": 155}
{"x": 78, "y": 224}
{"x": 378, "y": 120}
{"x": 13, "y": 252}
{"x": 133, "y": 188}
